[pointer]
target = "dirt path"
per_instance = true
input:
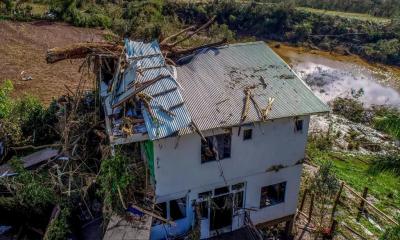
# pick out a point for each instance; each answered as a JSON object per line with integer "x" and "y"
{"x": 22, "y": 50}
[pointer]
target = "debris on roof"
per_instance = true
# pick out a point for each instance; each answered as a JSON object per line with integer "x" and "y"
{"x": 214, "y": 82}
{"x": 144, "y": 97}
{"x": 214, "y": 87}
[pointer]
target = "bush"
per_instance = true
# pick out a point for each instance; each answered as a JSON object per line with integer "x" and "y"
{"x": 114, "y": 176}
{"x": 5, "y": 99}
{"x": 387, "y": 120}
{"x": 31, "y": 190}
{"x": 386, "y": 163}
{"x": 349, "y": 108}
{"x": 26, "y": 120}
{"x": 59, "y": 228}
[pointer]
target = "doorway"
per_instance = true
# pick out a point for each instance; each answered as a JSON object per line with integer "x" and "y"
{"x": 220, "y": 210}
{"x": 221, "y": 213}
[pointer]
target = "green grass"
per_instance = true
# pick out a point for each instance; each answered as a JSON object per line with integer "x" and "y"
{"x": 39, "y": 9}
{"x": 354, "y": 171}
{"x": 358, "y": 16}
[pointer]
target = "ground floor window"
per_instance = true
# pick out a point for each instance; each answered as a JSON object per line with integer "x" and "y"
{"x": 172, "y": 210}
{"x": 272, "y": 194}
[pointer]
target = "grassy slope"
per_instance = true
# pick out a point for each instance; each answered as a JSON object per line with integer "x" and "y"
{"x": 353, "y": 169}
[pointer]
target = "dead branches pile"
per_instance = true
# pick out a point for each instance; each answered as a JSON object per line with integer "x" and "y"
{"x": 169, "y": 46}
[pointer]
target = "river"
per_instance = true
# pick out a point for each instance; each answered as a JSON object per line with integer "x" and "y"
{"x": 331, "y": 75}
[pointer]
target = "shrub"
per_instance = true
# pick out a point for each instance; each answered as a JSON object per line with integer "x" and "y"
{"x": 59, "y": 228}
{"x": 5, "y": 99}
{"x": 386, "y": 163}
{"x": 114, "y": 176}
{"x": 349, "y": 108}
{"x": 388, "y": 121}
{"x": 31, "y": 190}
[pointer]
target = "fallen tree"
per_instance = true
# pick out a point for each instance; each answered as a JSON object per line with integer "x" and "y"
{"x": 169, "y": 50}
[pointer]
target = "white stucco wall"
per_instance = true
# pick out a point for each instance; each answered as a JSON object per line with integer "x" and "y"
{"x": 178, "y": 166}
{"x": 179, "y": 171}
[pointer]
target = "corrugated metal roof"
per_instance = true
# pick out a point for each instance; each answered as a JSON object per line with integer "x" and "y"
{"x": 146, "y": 63}
{"x": 214, "y": 79}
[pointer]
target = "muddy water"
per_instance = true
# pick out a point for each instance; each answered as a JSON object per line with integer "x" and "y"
{"x": 332, "y": 75}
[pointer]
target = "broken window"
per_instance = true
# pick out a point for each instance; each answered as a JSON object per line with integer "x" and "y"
{"x": 205, "y": 195}
{"x": 216, "y": 147}
{"x": 203, "y": 209}
{"x": 238, "y": 186}
{"x": 298, "y": 125}
{"x": 222, "y": 190}
{"x": 177, "y": 209}
{"x": 171, "y": 210}
{"x": 162, "y": 209}
{"x": 247, "y": 134}
{"x": 272, "y": 194}
{"x": 238, "y": 200}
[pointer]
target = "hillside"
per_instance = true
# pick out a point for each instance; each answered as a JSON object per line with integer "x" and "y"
{"x": 22, "y": 55}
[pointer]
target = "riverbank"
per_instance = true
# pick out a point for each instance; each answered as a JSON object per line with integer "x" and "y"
{"x": 333, "y": 75}
{"x": 376, "y": 41}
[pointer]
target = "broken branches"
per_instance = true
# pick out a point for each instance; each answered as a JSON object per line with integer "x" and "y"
{"x": 81, "y": 50}
{"x": 206, "y": 25}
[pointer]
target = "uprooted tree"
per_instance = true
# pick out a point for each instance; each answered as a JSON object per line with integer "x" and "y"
{"x": 169, "y": 46}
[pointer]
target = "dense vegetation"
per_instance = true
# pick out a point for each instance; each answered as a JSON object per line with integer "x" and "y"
{"x": 374, "y": 40}
{"x": 382, "y": 118}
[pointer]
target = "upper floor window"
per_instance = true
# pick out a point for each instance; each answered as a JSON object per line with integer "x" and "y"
{"x": 298, "y": 125}
{"x": 272, "y": 194}
{"x": 216, "y": 147}
{"x": 247, "y": 134}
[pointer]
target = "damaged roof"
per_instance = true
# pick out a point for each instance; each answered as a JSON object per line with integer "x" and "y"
{"x": 147, "y": 63}
{"x": 214, "y": 80}
{"x": 208, "y": 88}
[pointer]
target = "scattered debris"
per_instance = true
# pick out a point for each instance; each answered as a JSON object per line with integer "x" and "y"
{"x": 29, "y": 161}
{"x": 25, "y": 77}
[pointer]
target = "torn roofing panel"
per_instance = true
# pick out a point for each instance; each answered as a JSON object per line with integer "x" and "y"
{"x": 214, "y": 80}
{"x": 146, "y": 63}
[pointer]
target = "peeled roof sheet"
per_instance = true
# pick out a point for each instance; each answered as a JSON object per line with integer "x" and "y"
{"x": 146, "y": 63}
{"x": 214, "y": 79}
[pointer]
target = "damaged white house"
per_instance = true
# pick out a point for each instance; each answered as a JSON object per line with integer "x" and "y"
{"x": 223, "y": 132}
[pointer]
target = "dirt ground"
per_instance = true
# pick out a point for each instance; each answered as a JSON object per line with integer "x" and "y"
{"x": 22, "y": 54}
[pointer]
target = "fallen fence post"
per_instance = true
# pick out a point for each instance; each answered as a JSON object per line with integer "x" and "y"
{"x": 311, "y": 208}
{"x": 337, "y": 199}
{"x": 362, "y": 204}
{"x": 371, "y": 205}
{"x": 303, "y": 199}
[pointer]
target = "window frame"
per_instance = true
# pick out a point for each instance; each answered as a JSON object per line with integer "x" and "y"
{"x": 246, "y": 137}
{"x": 298, "y": 125}
{"x": 221, "y": 145}
{"x": 283, "y": 196}
{"x": 168, "y": 210}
